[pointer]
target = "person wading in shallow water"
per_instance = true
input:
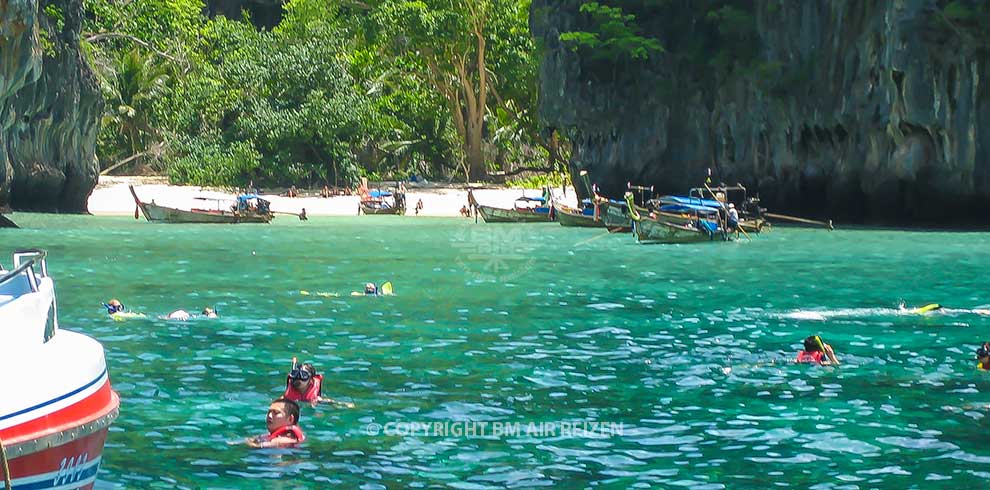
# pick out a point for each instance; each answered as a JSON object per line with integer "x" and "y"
{"x": 816, "y": 351}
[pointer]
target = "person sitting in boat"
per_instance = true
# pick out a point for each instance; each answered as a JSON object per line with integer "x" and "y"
{"x": 114, "y": 306}
{"x": 304, "y": 385}
{"x": 732, "y": 222}
{"x": 983, "y": 357}
{"x": 816, "y": 351}
{"x": 283, "y": 426}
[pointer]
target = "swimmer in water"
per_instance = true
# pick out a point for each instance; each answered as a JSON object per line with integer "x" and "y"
{"x": 283, "y": 426}
{"x": 304, "y": 385}
{"x": 183, "y": 315}
{"x": 114, "y": 306}
{"x": 983, "y": 357}
{"x": 816, "y": 351}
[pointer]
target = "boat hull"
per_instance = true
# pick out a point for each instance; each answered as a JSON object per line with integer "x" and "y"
{"x": 372, "y": 209}
{"x": 616, "y": 217}
{"x": 72, "y": 465}
{"x": 649, "y": 230}
{"x": 162, "y": 214}
{"x": 572, "y": 217}
{"x": 56, "y": 402}
{"x": 500, "y": 215}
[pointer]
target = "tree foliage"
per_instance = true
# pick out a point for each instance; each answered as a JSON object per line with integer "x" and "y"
{"x": 612, "y": 35}
{"x": 337, "y": 90}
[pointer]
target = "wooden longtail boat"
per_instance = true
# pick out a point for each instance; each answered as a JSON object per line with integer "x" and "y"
{"x": 383, "y": 202}
{"x": 751, "y": 216}
{"x": 588, "y": 216}
{"x": 615, "y": 214}
{"x": 662, "y": 227}
{"x": 250, "y": 208}
{"x": 525, "y": 210}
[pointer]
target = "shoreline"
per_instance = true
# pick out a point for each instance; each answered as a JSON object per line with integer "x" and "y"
{"x": 111, "y": 197}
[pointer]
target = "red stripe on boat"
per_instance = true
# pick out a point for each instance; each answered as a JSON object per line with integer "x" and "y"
{"x": 94, "y": 406}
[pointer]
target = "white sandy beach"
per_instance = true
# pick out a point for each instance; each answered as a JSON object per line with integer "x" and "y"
{"x": 112, "y": 197}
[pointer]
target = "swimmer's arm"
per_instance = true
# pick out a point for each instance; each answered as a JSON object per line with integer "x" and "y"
{"x": 831, "y": 355}
{"x": 281, "y": 441}
{"x": 331, "y": 401}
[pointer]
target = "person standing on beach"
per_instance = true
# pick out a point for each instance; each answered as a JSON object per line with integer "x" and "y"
{"x": 419, "y": 206}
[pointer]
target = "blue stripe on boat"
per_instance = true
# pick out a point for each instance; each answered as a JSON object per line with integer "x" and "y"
{"x": 55, "y": 400}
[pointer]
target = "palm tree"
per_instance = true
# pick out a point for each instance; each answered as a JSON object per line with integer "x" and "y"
{"x": 138, "y": 80}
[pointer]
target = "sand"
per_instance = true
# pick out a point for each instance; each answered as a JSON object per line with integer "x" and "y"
{"x": 112, "y": 197}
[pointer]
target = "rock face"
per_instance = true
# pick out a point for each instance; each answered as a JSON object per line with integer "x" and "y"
{"x": 265, "y": 14}
{"x": 869, "y": 111}
{"x": 50, "y": 108}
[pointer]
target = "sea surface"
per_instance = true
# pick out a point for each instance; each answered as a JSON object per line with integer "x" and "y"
{"x": 601, "y": 363}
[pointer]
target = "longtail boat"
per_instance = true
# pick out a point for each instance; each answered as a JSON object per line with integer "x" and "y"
{"x": 752, "y": 218}
{"x": 524, "y": 210}
{"x": 249, "y": 208}
{"x": 614, "y": 213}
{"x": 56, "y": 402}
{"x": 670, "y": 226}
{"x": 587, "y": 216}
{"x": 383, "y": 202}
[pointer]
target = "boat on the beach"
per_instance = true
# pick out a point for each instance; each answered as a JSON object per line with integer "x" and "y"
{"x": 383, "y": 202}
{"x": 56, "y": 403}
{"x": 587, "y": 216}
{"x": 681, "y": 223}
{"x": 248, "y": 208}
{"x": 524, "y": 210}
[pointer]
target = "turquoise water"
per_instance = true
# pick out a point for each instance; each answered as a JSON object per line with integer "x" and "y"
{"x": 685, "y": 349}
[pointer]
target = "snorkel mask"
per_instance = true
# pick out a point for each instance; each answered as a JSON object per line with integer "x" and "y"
{"x": 114, "y": 308}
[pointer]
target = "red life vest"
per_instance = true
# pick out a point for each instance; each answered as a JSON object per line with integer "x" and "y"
{"x": 810, "y": 357}
{"x": 315, "y": 390}
{"x": 294, "y": 430}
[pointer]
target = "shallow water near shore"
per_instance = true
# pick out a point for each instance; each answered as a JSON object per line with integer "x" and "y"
{"x": 683, "y": 351}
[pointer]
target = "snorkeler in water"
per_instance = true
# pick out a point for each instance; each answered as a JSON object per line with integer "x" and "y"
{"x": 183, "y": 315}
{"x": 816, "y": 351}
{"x": 303, "y": 384}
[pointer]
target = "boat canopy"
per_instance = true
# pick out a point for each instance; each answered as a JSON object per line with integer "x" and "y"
{"x": 533, "y": 199}
{"x": 247, "y": 197}
{"x": 687, "y": 208}
{"x": 377, "y": 193}
{"x": 695, "y": 201}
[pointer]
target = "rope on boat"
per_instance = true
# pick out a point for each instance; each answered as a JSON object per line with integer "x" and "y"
{"x": 8, "y": 484}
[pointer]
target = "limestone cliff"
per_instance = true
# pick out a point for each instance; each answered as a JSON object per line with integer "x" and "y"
{"x": 871, "y": 111}
{"x": 50, "y": 108}
{"x": 265, "y": 14}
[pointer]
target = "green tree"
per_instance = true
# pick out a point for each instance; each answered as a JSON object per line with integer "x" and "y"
{"x": 139, "y": 80}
